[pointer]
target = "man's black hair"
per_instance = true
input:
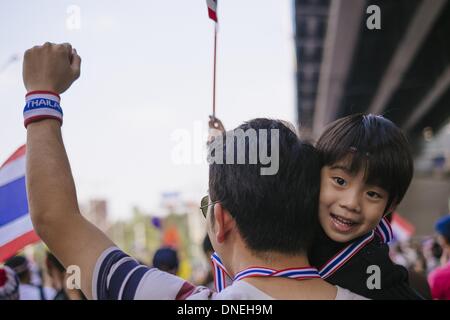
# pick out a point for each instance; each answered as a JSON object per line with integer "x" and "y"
{"x": 273, "y": 213}
{"x": 374, "y": 144}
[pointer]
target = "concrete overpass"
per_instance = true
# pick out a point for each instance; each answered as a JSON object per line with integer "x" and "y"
{"x": 401, "y": 71}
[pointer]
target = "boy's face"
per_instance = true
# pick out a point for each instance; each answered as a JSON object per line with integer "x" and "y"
{"x": 348, "y": 207}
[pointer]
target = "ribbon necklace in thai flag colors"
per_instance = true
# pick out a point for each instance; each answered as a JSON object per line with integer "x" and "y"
{"x": 383, "y": 229}
{"x": 293, "y": 273}
{"x": 344, "y": 255}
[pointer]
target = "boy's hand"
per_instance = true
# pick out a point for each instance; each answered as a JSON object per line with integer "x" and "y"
{"x": 50, "y": 67}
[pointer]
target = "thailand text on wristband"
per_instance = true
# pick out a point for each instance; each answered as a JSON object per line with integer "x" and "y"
{"x": 42, "y": 105}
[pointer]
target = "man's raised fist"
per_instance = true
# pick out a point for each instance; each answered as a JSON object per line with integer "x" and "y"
{"x": 50, "y": 67}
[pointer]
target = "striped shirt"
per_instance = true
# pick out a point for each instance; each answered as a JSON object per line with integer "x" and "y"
{"x": 117, "y": 276}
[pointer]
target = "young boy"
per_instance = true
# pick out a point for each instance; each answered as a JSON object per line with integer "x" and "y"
{"x": 367, "y": 168}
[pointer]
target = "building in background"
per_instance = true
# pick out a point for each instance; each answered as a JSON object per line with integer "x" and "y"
{"x": 401, "y": 70}
{"x": 96, "y": 211}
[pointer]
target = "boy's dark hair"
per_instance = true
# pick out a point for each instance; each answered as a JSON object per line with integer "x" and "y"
{"x": 277, "y": 212}
{"x": 375, "y": 145}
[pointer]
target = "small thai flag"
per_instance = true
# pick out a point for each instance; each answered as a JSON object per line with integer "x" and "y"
{"x": 212, "y": 9}
{"x": 16, "y": 229}
{"x": 401, "y": 228}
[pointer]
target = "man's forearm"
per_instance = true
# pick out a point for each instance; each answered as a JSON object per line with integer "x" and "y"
{"x": 53, "y": 203}
{"x": 48, "y": 71}
{"x": 50, "y": 185}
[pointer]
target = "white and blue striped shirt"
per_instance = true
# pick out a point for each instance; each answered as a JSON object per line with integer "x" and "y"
{"x": 117, "y": 276}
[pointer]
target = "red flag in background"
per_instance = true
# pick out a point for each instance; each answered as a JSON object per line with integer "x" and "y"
{"x": 401, "y": 227}
{"x": 212, "y": 9}
{"x": 16, "y": 229}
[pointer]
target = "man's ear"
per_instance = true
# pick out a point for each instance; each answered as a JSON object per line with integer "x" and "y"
{"x": 223, "y": 222}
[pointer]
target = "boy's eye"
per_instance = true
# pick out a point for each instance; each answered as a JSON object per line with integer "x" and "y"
{"x": 340, "y": 181}
{"x": 374, "y": 195}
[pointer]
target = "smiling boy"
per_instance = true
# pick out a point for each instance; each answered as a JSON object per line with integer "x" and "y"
{"x": 349, "y": 207}
{"x": 366, "y": 169}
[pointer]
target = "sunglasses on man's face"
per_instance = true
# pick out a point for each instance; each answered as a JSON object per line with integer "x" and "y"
{"x": 204, "y": 205}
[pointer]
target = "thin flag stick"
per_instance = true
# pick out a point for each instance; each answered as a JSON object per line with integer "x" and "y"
{"x": 212, "y": 13}
{"x": 214, "y": 76}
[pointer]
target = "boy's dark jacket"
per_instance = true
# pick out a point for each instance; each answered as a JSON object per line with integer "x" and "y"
{"x": 353, "y": 274}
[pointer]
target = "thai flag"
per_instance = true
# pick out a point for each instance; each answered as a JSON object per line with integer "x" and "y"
{"x": 401, "y": 228}
{"x": 16, "y": 230}
{"x": 212, "y": 9}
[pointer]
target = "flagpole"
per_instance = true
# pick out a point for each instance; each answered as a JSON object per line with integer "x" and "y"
{"x": 214, "y": 74}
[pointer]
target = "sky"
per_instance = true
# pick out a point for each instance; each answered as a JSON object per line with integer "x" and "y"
{"x": 135, "y": 122}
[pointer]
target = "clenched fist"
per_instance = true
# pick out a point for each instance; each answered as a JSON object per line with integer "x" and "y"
{"x": 50, "y": 67}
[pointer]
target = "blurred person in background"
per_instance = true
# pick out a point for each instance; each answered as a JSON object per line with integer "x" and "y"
{"x": 28, "y": 290}
{"x": 418, "y": 275}
{"x": 166, "y": 259}
{"x": 56, "y": 273}
{"x": 9, "y": 284}
{"x": 58, "y": 276}
{"x": 439, "y": 279}
{"x": 433, "y": 254}
{"x": 410, "y": 251}
{"x": 208, "y": 250}
{"x": 397, "y": 255}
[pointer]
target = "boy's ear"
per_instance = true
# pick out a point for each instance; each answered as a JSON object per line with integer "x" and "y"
{"x": 223, "y": 221}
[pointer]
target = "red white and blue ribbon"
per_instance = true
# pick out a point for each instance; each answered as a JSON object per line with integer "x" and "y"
{"x": 384, "y": 230}
{"x": 220, "y": 273}
{"x": 42, "y": 105}
{"x": 292, "y": 273}
{"x": 344, "y": 255}
{"x": 334, "y": 264}
{"x": 16, "y": 229}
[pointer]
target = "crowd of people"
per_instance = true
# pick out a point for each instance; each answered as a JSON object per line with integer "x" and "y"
{"x": 23, "y": 279}
{"x": 309, "y": 228}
